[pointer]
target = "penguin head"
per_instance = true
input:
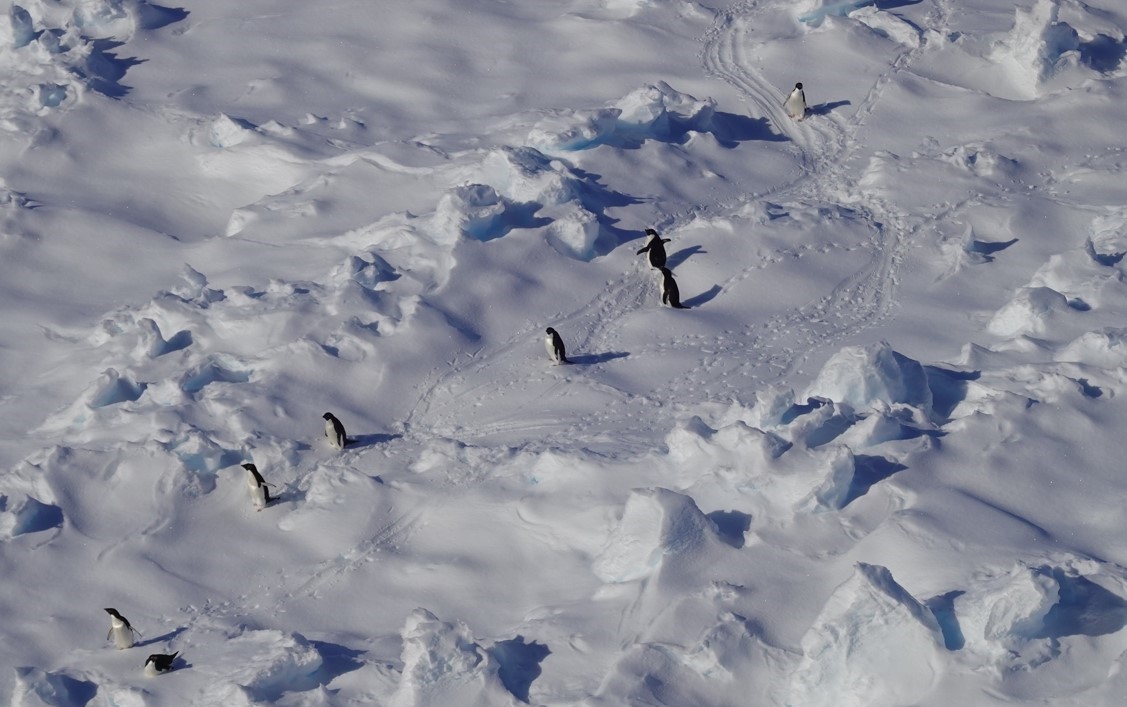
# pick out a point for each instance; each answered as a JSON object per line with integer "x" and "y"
{"x": 651, "y": 232}
{"x": 549, "y": 331}
{"x": 798, "y": 86}
{"x": 327, "y": 416}
{"x": 250, "y": 467}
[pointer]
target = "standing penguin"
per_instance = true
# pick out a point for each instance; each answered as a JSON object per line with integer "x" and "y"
{"x": 555, "y": 346}
{"x": 159, "y": 663}
{"x": 259, "y": 493}
{"x": 120, "y": 629}
{"x": 656, "y": 248}
{"x": 669, "y": 292}
{"x": 334, "y": 431}
{"x": 795, "y": 105}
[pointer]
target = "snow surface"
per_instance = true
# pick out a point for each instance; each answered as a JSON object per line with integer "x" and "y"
{"x": 876, "y": 462}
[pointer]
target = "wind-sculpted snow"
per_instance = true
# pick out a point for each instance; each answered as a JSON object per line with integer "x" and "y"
{"x": 874, "y": 460}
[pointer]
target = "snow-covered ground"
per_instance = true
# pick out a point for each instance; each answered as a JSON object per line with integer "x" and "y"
{"x": 876, "y": 462}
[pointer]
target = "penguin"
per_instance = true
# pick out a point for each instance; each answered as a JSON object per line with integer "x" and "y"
{"x": 669, "y": 293}
{"x": 334, "y": 431}
{"x": 655, "y": 248}
{"x": 795, "y": 105}
{"x": 259, "y": 492}
{"x": 120, "y": 629}
{"x": 555, "y": 346}
{"x": 159, "y": 663}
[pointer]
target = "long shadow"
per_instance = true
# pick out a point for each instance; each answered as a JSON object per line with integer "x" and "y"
{"x": 164, "y": 638}
{"x": 702, "y": 298}
{"x": 825, "y": 108}
{"x": 731, "y": 129}
{"x": 520, "y": 664}
{"x": 989, "y": 248}
{"x": 361, "y": 441}
{"x": 336, "y": 660}
{"x": 157, "y": 16}
{"x": 887, "y": 5}
{"x": 590, "y": 359}
{"x": 682, "y": 255}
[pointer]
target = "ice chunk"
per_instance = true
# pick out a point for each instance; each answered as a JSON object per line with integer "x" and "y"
{"x": 444, "y": 665}
{"x": 866, "y": 377}
{"x": 1028, "y": 313}
{"x": 1002, "y": 613}
{"x": 37, "y": 688}
{"x": 656, "y": 523}
{"x": 831, "y": 8}
{"x": 872, "y": 645}
{"x": 23, "y": 28}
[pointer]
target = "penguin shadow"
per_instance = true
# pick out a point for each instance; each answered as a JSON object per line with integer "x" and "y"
{"x": 361, "y": 441}
{"x": 702, "y": 298}
{"x": 825, "y": 108}
{"x": 591, "y": 359}
{"x": 682, "y": 255}
{"x": 165, "y": 638}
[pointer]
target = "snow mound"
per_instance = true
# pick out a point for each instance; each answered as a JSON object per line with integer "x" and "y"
{"x": 656, "y": 524}
{"x": 874, "y": 376}
{"x": 873, "y": 644}
{"x": 444, "y": 665}
{"x": 37, "y": 688}
{"x": 1106, "y": 348}
{"x": 735, "y": 448}
{"x": 1002, "y": 614}
{"x": 1038, "y": 48}
{"x": 652, "y": 112}
{"x": 1031, "y": 312}
{"x": 258, "y": 666}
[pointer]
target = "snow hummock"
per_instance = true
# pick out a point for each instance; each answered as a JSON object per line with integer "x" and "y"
{"x": 874, "y": 461}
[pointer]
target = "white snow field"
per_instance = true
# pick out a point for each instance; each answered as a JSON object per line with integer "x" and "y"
{"x": 877, "y": 461}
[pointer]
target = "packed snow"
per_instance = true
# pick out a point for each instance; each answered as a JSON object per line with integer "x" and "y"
{"x": 873, "y": 462}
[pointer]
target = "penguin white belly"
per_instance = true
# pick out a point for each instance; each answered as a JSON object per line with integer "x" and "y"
{"x": 151, "y": 670}
{"x": 122, "y": 636}
{"x": 550, "y": 347}
{"x": 796, "y": 105}
{"x": 258, "y": 496}
{"x": 331, "y": 433}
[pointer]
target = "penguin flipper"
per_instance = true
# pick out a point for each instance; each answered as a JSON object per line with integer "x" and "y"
{"x": 643, "y": 250}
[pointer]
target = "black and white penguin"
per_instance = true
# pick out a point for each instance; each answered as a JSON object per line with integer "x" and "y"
{"x": 159, "y": 663}
{"x": 259, "y": 493}
{"x": 656, "y": 249}
{"x": 334, "y": 431}
{"x": 795, "y": 105}
{"x": 120, "y": 629}
{"x": 555, "y": 346}
{"x": 670, "y": 295}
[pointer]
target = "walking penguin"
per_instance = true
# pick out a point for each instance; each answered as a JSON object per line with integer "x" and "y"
{"x": 334, "y": 430}
{"x": 795, "y": 105}
{"x": 656, "y": 249}
{"x": 259, "y": 493}
{"x": 120, "y": 630}
{"x": 669, "y": 293}
{"x": 555, "y": 346}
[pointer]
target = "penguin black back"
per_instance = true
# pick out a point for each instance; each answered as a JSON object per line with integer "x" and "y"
{"x": 669, "y": 293}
